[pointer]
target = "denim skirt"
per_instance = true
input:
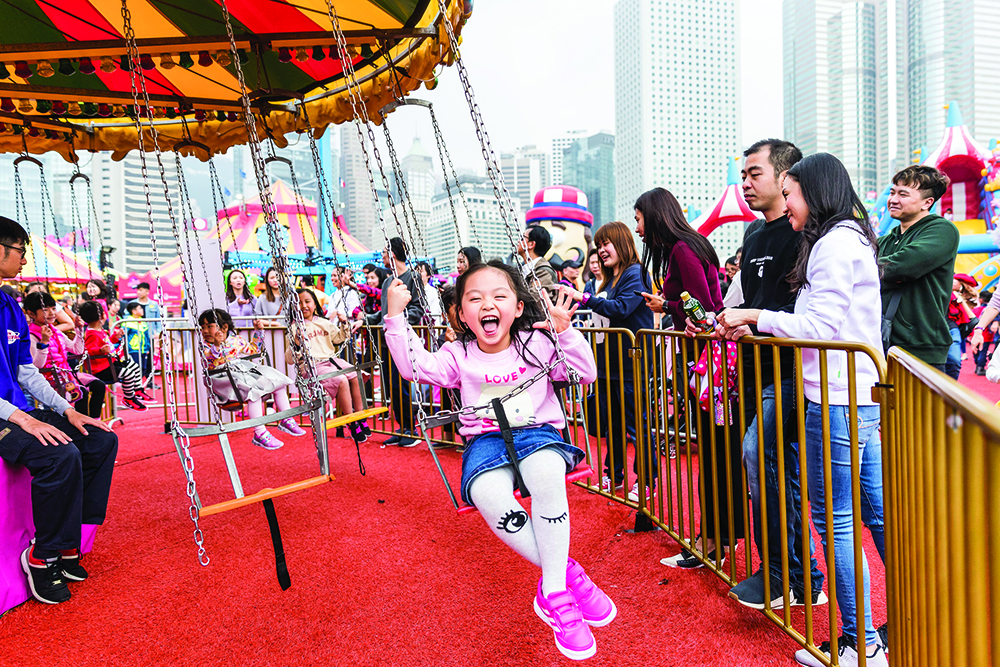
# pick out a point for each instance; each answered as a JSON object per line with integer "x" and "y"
{"x": 488, "y": 451}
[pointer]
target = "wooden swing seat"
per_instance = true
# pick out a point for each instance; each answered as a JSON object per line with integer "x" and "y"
{"x": 264, "y": 494}
{"x": 355, "y": 416}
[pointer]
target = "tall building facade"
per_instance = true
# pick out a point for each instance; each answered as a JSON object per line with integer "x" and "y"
{"x": 485, "y": 229}
{"x": 525, "y": 172}
{"x": 868, "y": 80}
{"x": 677, "y": 99}
{"x": 588, "y": 163}
{"x": 560, "y": 144}
{"x": 356, "y": 201}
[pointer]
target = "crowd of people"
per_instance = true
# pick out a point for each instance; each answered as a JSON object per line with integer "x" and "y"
{"x": 811, "y": 267}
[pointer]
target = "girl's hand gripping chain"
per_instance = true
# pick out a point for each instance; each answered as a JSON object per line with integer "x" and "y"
{"x": 397, "y": 298}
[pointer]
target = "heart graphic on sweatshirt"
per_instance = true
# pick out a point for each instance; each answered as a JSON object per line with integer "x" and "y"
{"x": 521, "y": 370}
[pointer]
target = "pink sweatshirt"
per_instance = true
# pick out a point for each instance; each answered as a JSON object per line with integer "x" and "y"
{"x": 481, "y": 377}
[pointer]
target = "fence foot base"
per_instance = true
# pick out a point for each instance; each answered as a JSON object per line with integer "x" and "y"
{"x": 643, "y": 524}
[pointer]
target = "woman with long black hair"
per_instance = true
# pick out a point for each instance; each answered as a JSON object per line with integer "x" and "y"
{"x": 839, "y": 299}
{"x": 686, "y": 262}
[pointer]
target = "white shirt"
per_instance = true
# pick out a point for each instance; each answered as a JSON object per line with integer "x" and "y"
{"x": 344, "y": 301}
{"x": 842, "y": 302}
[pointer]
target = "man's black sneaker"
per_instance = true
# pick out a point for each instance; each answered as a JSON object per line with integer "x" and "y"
{"x": 394, "y": 438}
{"x": 407, "y": 440}
{"x": 883, "y": 636}
{"x": 69, "y": 563}
{"x": 45, "y": 578}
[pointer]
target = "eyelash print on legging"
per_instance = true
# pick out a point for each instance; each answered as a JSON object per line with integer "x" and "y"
{"x": 559, "y": 519}
{"x": 513, "y": 521}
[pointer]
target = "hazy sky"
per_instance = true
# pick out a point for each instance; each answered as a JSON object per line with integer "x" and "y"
{"x": 541, "y": 67}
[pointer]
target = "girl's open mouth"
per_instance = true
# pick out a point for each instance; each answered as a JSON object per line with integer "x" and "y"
{"x": 490, "y": 324}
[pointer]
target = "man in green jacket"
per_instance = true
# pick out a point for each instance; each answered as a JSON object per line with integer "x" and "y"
{"x": 918, "y": 263}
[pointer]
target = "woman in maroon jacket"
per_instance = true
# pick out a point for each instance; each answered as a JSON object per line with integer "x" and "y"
{"x": 686, "y": 262}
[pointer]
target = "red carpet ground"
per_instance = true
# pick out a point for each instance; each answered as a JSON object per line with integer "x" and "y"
{"x": 383, "y": 573}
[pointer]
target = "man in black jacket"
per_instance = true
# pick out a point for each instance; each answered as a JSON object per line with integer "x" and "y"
{"x": 769, "y": 253}
{"x": 393, "y": 383}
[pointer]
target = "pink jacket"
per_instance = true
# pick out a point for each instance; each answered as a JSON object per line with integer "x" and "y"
{"x": 481, "y": 377}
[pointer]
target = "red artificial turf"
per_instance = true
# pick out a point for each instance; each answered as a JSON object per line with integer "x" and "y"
{"x": 383, "y": 573}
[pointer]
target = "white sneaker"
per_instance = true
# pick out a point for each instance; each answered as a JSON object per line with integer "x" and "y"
{"x": 633, "y": 495}
{"x": 848, "y": 655}
{"x": 606, "y": 484}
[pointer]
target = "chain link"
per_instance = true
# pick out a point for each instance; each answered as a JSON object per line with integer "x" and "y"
{"x": 137, "y": 79}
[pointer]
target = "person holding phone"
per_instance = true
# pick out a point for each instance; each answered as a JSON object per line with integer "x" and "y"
{"x": 686, "y": 262}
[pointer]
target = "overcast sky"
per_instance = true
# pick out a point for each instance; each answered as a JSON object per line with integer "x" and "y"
{"x": 542, "y": 67}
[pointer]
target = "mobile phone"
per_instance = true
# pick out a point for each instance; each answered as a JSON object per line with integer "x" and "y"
{"x": 637, "y": 293}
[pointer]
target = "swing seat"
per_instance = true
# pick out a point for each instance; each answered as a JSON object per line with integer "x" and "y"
{"x": 581, "y": 471}
{"x": 264, "y": 494}
{"x": 355, "y": 416}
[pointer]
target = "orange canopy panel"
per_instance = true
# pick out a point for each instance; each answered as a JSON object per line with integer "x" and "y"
{"x": 65, "y": 70}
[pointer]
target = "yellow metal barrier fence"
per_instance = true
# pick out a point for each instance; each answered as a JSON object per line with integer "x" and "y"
{"x": 942, "y": 508}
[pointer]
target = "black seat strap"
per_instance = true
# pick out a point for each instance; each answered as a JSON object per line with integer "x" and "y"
{"x": 284, "y": 580}
{"x": 508, "y": 440}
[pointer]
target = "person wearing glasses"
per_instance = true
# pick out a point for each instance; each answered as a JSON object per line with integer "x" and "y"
{"x": 69, "y": 455}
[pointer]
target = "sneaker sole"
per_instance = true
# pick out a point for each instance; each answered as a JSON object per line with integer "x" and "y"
{"x": 290, "y": 432}
{"x": 779, "y": 603}
{"x": 269, "y": 448}
{"x": 31, "y": 581}
{"x": 566, "y": 651}
{"x": 72, "y": 577}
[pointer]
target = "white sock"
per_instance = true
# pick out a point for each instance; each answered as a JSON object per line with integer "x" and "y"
{"x": 544, "y": 541}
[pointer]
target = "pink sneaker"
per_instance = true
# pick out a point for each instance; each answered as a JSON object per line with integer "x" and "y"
{"x": 597, "y": 608}
{"x": 290, "y": 427}
{"x": 267, "y": 441}
{"x": 562, "y": 613}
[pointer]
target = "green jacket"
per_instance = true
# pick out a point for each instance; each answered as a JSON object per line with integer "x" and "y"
{"x": 921, "y": 263}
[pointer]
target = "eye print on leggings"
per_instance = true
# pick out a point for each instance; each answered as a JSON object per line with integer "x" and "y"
{"x": 559, "y": 519}
{"x": 513, "y": 521}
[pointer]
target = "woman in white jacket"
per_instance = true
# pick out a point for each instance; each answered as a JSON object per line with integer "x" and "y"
{"x": 837, "y": 278}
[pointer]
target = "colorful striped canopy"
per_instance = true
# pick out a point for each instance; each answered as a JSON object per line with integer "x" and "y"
{"x": 50, "y": 262}
{"x": 64, "y": 67}
{"x": 241, "y": 228}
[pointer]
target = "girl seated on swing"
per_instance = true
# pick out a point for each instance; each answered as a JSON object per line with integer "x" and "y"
{"x": 223, "y": 346}
{"x": 50, "y": 348}
{"x": 322, "y": 339}
{"x": 504, "y": 341}
{"x": 104, "y": 352}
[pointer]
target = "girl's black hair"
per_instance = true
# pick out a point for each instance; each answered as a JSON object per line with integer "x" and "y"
{"x": 664, "y": 225}
{"x": 828, "y": 192}
{"x": 38, "y": 300}
{"x": 269, "y": 293}
{"x": 231, "y": 293}
{"x": 531, "y": 314}
{"x": 91, "y": 312}
{"x": 218, "y": 317}
{"x": 312, "y": 295}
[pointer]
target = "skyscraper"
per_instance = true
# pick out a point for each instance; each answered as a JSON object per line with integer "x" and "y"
{"x": 588, "y": 163}
{"x": 677, "y": 99}
{"x": 559, "y": 144}
{"x": 525, "y": 172}
{"x": 485, "y": 229}
{"x": 867, "y": 80}
{"x": 356, "y": 201}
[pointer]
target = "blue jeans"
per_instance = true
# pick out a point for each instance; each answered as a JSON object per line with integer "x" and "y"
{"x": 870, "y": 456}
{"x": 954, "y": 363}
{"x": 793, "y": 515}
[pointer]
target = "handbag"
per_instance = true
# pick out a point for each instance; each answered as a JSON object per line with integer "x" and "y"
{"x": 965, "y": 330}
{"x": 887, "y": 317}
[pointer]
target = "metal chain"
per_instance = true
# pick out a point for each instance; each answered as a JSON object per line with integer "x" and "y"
{"x": 217, "y": 197}
{"x": 360, "y": 112}
{"x": 136, "y": 76}
{"x": 21, "y": 213}
{"x": 305, "y": 367}
{"x": 445, "y": 157}
{"x": 503, "y": 198}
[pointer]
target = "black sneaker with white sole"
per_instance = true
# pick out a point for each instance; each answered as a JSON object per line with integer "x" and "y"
{"x": 883, "y": 636}
{"x": 45, "y": 578}
{"x": 750, "y": 593}
{"x": 686, "y": 560}
{"x": 70, "y": 566}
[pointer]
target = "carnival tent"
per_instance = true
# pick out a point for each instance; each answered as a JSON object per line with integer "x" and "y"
{"x": 50, "y": 262}
{"x": 64, "y": 68}
{"x": 962, "y": 159}
{"x": 729, "y": 207}
{"x": 241, "y": 229}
